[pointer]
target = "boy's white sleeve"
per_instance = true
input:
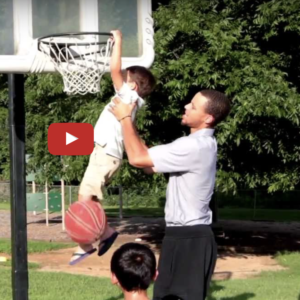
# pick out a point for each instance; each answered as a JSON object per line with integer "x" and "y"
{"x": 126, "y": 94}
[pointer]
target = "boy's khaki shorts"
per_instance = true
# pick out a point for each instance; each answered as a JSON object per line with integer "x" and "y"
{"x": 100, "y": 170}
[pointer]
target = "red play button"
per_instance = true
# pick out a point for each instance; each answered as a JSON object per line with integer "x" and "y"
{"x": 70, "y": 138}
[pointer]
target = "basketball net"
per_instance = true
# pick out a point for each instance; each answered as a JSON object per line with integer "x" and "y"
{"x": 81, "y": 62}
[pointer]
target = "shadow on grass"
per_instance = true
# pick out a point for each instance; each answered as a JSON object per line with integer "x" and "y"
{"x": 215, "y": 287}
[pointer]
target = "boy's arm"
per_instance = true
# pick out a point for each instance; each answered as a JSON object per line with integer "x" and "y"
{"x": 116, "y": 63}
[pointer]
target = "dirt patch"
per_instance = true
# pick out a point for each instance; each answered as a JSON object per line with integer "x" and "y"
{"x": 245, "y": 248}
{"x": 228, "y": 267}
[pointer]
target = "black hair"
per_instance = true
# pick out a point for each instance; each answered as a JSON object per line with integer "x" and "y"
{"x": 218, "y": 105}
{"x": 134, "y": 265}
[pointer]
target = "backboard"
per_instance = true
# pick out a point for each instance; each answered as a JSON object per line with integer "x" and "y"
{"x": 22, "y": 22}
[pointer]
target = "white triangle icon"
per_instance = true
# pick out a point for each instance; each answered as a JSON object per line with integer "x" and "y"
{"x": 70, "y": 138}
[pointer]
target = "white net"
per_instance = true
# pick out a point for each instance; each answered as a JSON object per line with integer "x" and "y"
{"x": 81, "y": 61}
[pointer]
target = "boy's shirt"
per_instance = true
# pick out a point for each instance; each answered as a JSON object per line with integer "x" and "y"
{"x": 108, "y": 130}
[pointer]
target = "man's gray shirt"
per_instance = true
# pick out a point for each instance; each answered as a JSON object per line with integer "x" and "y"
{"x": 191, "y": 162}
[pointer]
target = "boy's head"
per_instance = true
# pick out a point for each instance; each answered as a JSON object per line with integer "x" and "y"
{"x": 133, "y": 267}
{"x": 141, "y": 79}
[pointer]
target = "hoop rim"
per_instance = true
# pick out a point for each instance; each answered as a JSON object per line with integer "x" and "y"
{"x": 66, "y": 34}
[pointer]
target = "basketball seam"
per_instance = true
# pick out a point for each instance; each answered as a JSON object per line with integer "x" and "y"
{"x": 95, "y": 219}
{"x": 80, "y": 222}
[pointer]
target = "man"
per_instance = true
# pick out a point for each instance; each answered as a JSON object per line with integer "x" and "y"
{"x": 189, "y": 251}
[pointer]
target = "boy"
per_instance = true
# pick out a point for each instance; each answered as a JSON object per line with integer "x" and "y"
{"x": 131, "y": 86}
{"x": 133, "y": 268}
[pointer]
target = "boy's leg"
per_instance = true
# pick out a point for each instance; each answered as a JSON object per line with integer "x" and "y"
{"x": 100, "y": 169}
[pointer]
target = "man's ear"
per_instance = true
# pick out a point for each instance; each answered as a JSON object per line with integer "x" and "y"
{"x": 209, "y": 120}
{"x": 113, "y": 279}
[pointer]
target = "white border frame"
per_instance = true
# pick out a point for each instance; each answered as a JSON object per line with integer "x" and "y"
{"x": 33, "y": 61}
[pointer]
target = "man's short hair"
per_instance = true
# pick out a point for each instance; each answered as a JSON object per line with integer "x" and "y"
{"x": 143, "y": 78}
{"x": 134, "y": 265}
{"x": 218, "y": 105}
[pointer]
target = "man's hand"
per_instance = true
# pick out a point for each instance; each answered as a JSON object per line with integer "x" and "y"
{"x": 117, "y": 35}
{"x": 121, "y": 110}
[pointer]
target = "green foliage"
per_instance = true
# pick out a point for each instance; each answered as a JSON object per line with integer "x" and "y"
{"x": 247, "y": 49}
{"x": 222, "y": 45}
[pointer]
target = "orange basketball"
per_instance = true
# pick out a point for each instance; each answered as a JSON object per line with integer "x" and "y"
{"x": 85, "y": 221}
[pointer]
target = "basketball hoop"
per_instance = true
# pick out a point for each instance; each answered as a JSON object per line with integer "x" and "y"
{"x": 81, "y": 58}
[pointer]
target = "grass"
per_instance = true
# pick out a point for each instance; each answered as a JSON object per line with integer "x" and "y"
{"x": 277, "y": 215}
{"x": 4, "y": 205}
{"x": 224, "y": 213}
{"x": 31, "y": 265}
{"x": 34, "y": 246}
{"x": 282, "y": 285}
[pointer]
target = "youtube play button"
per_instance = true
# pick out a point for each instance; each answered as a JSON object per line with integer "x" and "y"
{"x": 70, "y": 138}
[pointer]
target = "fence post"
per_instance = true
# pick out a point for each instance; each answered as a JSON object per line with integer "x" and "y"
{"x": 70, "y": 195}
{"x": 62, "y": 183}
{"x": 120, "y": 202}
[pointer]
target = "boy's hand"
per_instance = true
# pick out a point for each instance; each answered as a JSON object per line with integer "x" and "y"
{"x": 117, "y": 35}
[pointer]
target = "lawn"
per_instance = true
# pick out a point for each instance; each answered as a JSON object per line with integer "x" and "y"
{"x": 278, "y": 215}
{"x": 34, "y": 246}
{"x": 283, "y": 285}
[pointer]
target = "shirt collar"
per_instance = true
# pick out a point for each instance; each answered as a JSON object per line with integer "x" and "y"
{"x": 203, "y": 132}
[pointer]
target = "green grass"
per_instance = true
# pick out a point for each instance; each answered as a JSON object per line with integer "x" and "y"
{"x": 278, "y": 215}
{"x": 138, "y": 211}
{"x": 282, "y": 285}
{"x": 4, "y": 205}
{"x": 34, "y": 246}
{"x": 31, "y": 265}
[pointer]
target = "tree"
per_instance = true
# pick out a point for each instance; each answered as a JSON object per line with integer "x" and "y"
{"x": 224, "y": 45}
{"x": 248, "y": 49}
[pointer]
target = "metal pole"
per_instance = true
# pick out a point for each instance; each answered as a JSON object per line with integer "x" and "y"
{"x": 18, "y": 187}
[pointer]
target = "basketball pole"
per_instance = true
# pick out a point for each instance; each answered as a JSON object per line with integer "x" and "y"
{"x": 18, "y": 187}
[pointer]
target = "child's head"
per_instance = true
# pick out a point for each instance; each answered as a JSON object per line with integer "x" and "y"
{"x": 142, "y": 78}
{"x": 133, "y": 267}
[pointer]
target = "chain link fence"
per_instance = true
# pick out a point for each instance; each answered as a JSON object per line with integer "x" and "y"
{"x": 119, "y": 202}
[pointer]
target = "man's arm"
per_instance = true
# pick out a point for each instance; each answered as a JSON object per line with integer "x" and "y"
{"x": 136, "y": 150}
{"x": 116, "y": 63}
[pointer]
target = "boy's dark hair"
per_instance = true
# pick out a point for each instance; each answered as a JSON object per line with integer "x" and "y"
{"x": 143, "y": 78}
{"x": 134, "y": 265}
{"x": 218, "y": 105}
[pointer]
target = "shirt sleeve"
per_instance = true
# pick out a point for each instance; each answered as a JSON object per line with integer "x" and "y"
{"x": 126, "y": 94}
{"x": 174, "y": 157}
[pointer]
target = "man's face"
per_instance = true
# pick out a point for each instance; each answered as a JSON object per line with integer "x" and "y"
{"x": 195, "y": 116}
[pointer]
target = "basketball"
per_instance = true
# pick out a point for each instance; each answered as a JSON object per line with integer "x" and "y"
{"x": 85, "y": 221}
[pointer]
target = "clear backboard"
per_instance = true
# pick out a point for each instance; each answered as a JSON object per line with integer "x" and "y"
{"x": 22, "y": 22}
